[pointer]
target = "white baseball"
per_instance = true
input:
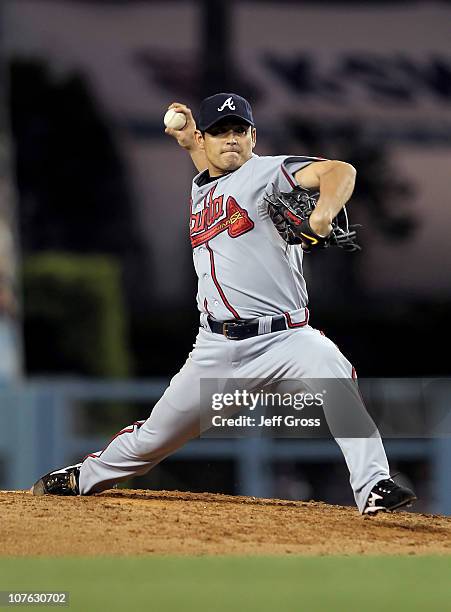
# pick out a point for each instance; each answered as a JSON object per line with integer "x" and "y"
{"x": 174, "y": 120}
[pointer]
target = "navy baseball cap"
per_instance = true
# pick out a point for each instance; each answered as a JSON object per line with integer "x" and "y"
{"x": 222, "y": 105}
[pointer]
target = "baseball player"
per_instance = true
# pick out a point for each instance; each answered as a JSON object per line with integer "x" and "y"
{"x": 252, "y": 298}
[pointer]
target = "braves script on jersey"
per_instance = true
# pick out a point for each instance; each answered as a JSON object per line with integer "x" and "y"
{"x": 229, "y": 228}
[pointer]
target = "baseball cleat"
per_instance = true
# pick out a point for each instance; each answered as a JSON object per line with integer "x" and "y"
{"x": 387, "y": 496}
{"x": 59, "y": 482}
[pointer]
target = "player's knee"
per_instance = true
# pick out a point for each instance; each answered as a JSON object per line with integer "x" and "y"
{"x": 338, "y": 364}
{"x": 332, "y": 361}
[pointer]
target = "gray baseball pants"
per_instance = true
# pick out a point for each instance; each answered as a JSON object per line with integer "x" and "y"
{"x": 296, "y": 353}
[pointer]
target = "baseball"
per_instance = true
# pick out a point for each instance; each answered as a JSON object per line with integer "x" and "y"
{"x": 174, "y": 120}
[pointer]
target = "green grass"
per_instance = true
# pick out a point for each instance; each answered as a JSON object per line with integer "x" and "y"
{"x": 228, "y": 584}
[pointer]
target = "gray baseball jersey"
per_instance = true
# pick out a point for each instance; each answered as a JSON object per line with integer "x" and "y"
{"x": 245, "y": 271}
{"x": 244, "y": 267}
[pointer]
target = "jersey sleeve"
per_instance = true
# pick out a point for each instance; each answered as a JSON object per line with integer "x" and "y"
{"x": 289, "y": 167}
{"x": 277, "y": 172}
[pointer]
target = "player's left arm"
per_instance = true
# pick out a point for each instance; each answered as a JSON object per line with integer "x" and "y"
{"x": 335, "y": 180}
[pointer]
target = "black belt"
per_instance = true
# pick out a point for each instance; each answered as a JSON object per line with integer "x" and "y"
{"x": 242, "y": 329}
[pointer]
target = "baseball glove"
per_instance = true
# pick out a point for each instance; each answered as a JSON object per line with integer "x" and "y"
{"x": 290, "y": 214}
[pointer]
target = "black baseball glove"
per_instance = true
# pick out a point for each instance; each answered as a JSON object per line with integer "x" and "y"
{"x": 290, "y": 214}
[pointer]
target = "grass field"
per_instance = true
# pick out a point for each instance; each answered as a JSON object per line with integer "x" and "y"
{"x": 235, "y": 584}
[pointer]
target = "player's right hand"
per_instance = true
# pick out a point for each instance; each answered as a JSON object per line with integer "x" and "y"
{"x": 185, "y": 136}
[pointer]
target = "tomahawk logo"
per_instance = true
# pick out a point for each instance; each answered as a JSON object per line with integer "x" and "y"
{"x": 229, "y": 103}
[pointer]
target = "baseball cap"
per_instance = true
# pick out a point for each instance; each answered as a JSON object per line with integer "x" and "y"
{"x": 222, "y": 105}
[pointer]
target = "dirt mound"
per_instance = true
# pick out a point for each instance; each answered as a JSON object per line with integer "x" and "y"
{"x": 123, "y": 522}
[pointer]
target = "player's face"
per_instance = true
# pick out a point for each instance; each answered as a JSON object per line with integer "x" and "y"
{"x": 227, "y": 145}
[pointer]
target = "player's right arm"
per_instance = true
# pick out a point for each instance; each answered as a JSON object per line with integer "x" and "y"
{"x": 185, "y": 137}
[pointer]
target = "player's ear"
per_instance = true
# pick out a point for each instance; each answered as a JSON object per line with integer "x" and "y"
{"x": 254, "y": 137}
{"x": 199, "y": 138}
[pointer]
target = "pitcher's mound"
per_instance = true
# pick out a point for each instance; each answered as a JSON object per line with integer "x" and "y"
{"x": 124, "y": 522}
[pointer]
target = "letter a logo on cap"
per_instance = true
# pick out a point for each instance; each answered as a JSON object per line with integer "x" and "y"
{"x": 229, "y": 103}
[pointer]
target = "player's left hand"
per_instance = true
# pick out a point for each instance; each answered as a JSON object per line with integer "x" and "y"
{"x": 298, "y": 221}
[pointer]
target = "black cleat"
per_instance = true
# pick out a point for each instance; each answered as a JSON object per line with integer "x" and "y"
{"x": 387, "y": 496}
{"x": 59, "y": 482}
